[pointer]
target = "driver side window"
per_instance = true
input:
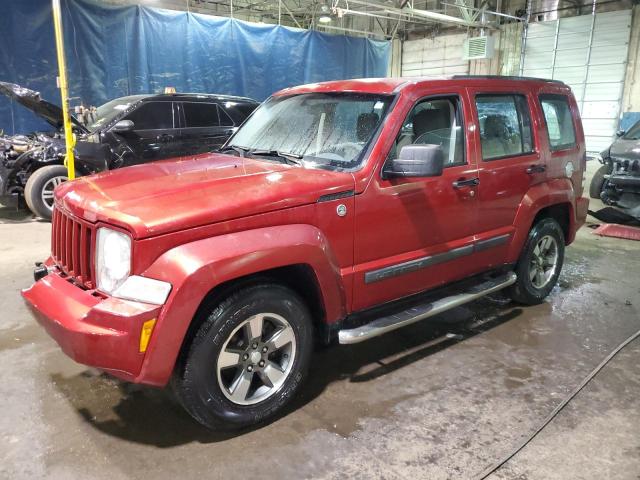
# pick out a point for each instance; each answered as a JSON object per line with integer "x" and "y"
{"x": 434, "y": 121}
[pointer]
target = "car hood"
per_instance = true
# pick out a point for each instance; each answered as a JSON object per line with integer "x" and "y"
{"x": 171, "y": 195}
{"x": 31, "y": 100}
{"x": 625, "y": 149}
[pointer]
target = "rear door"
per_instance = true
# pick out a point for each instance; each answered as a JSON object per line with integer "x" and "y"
{"x": 155, "y": 133}
{"x": 509, "y": 163}
{"x": 206, "y": 127}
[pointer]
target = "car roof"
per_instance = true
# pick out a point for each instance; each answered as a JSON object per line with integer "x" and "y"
{"x": 191, "y": 97}
{"x": 388, "y": 86}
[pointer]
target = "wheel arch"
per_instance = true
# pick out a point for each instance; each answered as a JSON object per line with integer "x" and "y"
{"x": 205, "y": 271}
{"x": 300, "y": 278}
{"x": 553, "y": 199}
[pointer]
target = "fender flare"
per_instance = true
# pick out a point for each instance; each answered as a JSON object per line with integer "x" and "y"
{"x": 553, "y": 192}
{"x": 195, "y": 268}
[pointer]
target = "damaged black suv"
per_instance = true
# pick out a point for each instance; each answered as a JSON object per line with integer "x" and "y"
{"x": 617, "y": 181}
{"x": 125, "y": 131}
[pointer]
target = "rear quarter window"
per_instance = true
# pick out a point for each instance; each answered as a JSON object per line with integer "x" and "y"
{"x": 559, "y": 120}
{"x": 201, "y": 114}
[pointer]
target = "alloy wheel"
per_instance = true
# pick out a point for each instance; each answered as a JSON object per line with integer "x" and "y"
{"x": 544, "y": 262}
{"x": 256, "y": 359}
{"x": 48, "y": 188}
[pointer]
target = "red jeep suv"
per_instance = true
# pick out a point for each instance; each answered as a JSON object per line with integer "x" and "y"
{"x": 218, "y": 271}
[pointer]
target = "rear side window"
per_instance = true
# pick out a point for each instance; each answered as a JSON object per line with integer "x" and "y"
{"x": 152, "y": 116}
{"x": 505, "y": 125}
{"x": 559, "y": 121}
{"x": 201, "y": 114}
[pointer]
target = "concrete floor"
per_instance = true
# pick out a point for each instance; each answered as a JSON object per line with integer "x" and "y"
{"x": 411, "y": 404}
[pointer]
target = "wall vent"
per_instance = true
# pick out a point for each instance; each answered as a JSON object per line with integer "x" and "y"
{"x": 478, "y": 48}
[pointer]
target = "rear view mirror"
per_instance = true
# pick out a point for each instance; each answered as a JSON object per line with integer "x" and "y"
{"x": 123, "y": 126}
{"x": 416, "y": 161}
{"x": 620, "y": 133}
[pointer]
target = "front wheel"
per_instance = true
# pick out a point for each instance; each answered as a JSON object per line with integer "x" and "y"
{"x": 38, "y": 192}
{"x": 247, "y": 359}
{"x": 540, "y": 262}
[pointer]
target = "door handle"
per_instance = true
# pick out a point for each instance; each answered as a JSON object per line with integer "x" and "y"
{"x": 471, "y": 182}
{"x": 536, "y": 169}
{"x": 164, "y": 138}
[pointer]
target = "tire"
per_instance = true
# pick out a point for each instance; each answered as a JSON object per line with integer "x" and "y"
{"x": 38, "y": 191}
{"x": 597, "y": 182}
{"x": 220, "y": 398}
{"x": 538, "y": 274}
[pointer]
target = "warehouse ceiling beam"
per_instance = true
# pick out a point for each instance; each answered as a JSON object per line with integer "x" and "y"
{"x": 415, "y": 12}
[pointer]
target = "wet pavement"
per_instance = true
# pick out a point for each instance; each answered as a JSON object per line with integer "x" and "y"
{"x": 440, "y": 399}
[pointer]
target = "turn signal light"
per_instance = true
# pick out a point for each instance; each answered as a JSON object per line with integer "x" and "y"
{"x": 145, "y": 334}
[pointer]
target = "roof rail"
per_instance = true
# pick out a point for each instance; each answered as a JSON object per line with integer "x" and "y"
{"x": 506, "y": 77}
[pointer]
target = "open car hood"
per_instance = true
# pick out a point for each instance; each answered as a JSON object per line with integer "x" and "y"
{"x": 32, "y": 100}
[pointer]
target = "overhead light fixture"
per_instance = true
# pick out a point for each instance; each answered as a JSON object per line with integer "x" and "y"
{"x": 325, "y": 14}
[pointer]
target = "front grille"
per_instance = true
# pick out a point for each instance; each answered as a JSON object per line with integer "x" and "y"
{"x": 71, "y": 241}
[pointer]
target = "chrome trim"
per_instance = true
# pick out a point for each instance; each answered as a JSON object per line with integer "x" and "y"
{"x": 415, "y": 314}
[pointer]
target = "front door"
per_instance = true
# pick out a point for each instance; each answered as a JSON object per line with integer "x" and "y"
{"x": 413, "y": 234}
{"x": 155, "y": 133}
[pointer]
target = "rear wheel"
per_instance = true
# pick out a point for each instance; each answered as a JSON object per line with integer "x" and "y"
{"x": 38, "y": 191}
{"x": 540, "y": 262}
{"x": 597, "y": 182}
{"x": 247, "y": 359}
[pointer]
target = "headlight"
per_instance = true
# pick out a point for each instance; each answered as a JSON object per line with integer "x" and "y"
{"x": 113, "y": 259}
{"x": 113, "y": 268}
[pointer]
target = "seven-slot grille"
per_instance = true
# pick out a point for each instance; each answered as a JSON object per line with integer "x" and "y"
{"x": 71, "y": 242}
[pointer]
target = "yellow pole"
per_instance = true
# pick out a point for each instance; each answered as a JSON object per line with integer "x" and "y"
{"x": 64, "y": 92}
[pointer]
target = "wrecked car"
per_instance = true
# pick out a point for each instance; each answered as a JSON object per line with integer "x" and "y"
{"x": 125, "y": 131}
{"x": 617, "y": 181}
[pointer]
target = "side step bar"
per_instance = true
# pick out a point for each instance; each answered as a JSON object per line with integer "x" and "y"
{"x": 389, "y": 323}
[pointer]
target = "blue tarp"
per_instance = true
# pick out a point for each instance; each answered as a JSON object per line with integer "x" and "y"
{"x": 117, "y": 51}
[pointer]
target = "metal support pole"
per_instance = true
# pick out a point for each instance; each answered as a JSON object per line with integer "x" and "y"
{"x": 64, "y": 91}
{"x": 523, "y": 42}
{"x": 588, "y": 59}
{"x": 555, "y": 48}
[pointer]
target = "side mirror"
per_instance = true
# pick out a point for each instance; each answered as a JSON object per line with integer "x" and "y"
{"x": 416, "y": 161}
{"x": 620, "y": 133}
{"x": 123, "y": 126}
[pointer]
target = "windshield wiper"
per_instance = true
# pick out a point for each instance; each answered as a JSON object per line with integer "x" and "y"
{"x": 240, "y": 150}
{"x": 290, "y": 158}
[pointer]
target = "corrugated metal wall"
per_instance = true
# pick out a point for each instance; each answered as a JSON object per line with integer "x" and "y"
{"x": 434, "y": 56}
{"x": 589, "y": 53}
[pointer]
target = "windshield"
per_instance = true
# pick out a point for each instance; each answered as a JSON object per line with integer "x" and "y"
{"x": 322, "y": 129}
{"x": 104, "y": 114}
{"x": 633, "y": 133}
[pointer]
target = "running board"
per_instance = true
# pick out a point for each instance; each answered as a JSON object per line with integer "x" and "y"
{"x": 415, "y": 314}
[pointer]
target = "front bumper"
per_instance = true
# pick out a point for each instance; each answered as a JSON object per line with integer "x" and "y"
{"x": 91, "y": 329}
